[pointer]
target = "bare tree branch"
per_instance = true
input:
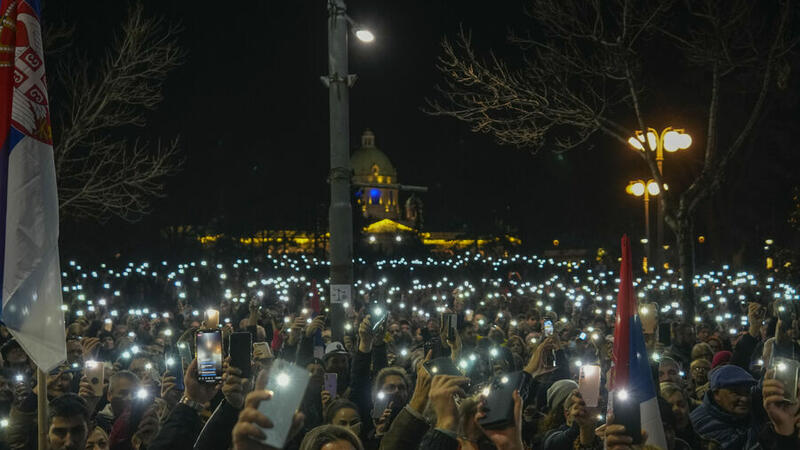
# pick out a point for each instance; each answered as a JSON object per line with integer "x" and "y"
{"x": 100, "y": 174}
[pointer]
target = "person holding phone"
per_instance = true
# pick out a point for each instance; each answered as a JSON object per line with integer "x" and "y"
{"x": 578, "y": 426}
{"x": 184, "y": 423}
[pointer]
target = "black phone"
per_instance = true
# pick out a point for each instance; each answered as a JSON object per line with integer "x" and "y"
{"x": 442, "y": 366}
{"x": 382, "y": 401}
{"x": 664, "y": 334}
{"x": 627, "y": 414}
{"x": 208, "y": 352}
{"x": 239, "y": 349}
{"x": 451, "y": 325}
{"x": 499, "y": 402}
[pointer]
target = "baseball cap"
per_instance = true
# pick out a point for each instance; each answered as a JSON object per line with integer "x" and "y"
{"x": 334, "y": 348}
{"x": 730, "y": 375}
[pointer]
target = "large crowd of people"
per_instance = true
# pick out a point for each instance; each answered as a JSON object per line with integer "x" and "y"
{"x": 138, "y": 376}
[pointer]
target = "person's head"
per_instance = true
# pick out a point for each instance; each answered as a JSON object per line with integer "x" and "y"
{"x": 393, "y": 381}
{"x": 122, "y": 387}
{"x": 74, "y": 351}
{"x": 679, "y": 403}
{"x": 699, "y": 369}
{"x": 702, "y": 350}
{"x": 69, "y": 423}
{"x": 317, "y": 371}
{"x": 730, "y": 387}
{"x": 98, "y": 440}
{"x": 344, "y": 413}
{"x": 684, "y": 335}
{"x": 395, "y": 331}
{"x": 336, "y": 360}
{"x": 669, "y": 371}
{"x": 59, "y": 381}
{"x": 715, "y": 343}
{"x": 14, "y": 356}
{"x": 106, "y": 340}
{"x": 516, "y": 345}
{"x": 721, "y": 358}
{"x": 405, "y": 326}
{"x": 141, "y": 367}
{"x": 331, "y": 437}
{"x": 703, "y": 333}
{"x": 469, "y": 337}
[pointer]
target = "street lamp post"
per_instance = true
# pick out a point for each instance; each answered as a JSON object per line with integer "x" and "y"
{"x": 668, "y": 139}
{"x": 340, "y": 216}
{"x": 639, "y": 188}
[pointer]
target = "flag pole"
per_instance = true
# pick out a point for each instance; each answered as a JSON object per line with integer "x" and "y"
{"x": 41, "y": 393}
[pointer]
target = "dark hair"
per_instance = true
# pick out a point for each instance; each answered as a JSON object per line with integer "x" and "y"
{"x": 335, "y": 406}
{"x": 68, "y": 405}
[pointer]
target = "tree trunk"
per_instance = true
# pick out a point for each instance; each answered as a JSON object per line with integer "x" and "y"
{"x": 685, "y": 240}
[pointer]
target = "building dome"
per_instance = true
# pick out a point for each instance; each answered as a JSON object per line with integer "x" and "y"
{"x": 369, "y": 160}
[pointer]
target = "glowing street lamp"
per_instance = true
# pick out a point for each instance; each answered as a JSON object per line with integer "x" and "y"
{"x": 365, "y": 35}
{"x": 640, "y": 188}
{"x": 671, "y": 140}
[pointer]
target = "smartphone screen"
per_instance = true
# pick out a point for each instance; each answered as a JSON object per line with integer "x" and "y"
{"x": 209, "y": 355}
{"x": 548, "y": 328}
{"x": 786, "y": 370}
{"x": 288, "y": 384}
{"x": 589, "y": 384}
{"x": 329, "y": 383}
{"x": 378, "y": 316}
{"x": 664, "y": 334}
{"x": 626, "y": 413}
{"x": 239, "y": 348}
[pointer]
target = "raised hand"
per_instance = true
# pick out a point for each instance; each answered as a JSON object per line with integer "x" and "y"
{"x": 234, "y": 387}
{"x": 420, "y": 398}
{"x": 782, "y": 413}
{"x": 509, "y": 438}
{"x": 365, "y": 335}
{"x": 443, "y": 390}
{"x": 195, "y": 390}
{"x": 317, "y": 324}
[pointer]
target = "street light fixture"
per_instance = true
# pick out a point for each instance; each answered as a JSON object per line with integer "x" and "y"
{"x": 671, "y": 140}
{"x": 640, "y": 188}
{"x": 338, "y": 81}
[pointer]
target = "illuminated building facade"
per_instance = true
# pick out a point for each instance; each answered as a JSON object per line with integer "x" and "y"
{"x": 370, "y": 165}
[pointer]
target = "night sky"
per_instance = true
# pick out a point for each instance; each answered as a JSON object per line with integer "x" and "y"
{"x": 253, "y": 120}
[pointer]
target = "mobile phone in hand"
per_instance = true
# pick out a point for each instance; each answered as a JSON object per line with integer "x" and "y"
{"x": 589, "y": 384}
{"x": 288, "y": 384}
{"x": 382, "y": 401}
{"x": 548, "y": 328}
{"x": 330, "y": 383}
{"x": 208, "y": 352}
{"x": 378, "y": 316}
{"x": 787, "y": 371}
{"x": 239, "y": 348}
{"x": 449, "y": 320}
{"x": 172, "y": 361}
{"x": 94, "y": 373}
{"x": 442, "y": 366}
{"x": 627, "y": 414}
{"x": 499, "y": 402}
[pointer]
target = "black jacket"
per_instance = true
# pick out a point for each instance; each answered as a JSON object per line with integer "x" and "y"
{"x": 180, "y": 430}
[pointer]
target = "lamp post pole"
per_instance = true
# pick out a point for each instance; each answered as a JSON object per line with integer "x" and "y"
{"x": 647, "y": 226}
{"x": 340, "y": 212}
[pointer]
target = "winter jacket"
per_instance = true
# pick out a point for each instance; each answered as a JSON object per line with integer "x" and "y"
{"x": 216, "y": 433}
{"x": 711, "y": 423}
{"x": 406, "y": 431}
{"x": 179, "y": 431}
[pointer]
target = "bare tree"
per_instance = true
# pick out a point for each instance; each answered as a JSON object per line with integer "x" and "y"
{"x": 585, "y": 71}
{"x": 101, "y": 173}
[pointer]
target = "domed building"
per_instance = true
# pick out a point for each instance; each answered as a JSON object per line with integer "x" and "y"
{"x": 370, "y": 165}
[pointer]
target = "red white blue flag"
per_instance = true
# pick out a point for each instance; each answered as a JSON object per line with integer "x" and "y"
{"x": 631, "y": 366}
{"x": 30, "y": 281}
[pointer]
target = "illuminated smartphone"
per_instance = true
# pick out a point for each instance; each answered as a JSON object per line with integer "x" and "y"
{"x": 442, "y": 366}
{"x": 499, "y": 400}
{"x": 627, "y": 414}
{"x": 450, "y": 323}
{"x": 382, "y": 400}
{"x": 589, "y": 384}
{"x": 786, "y": 370}
{"x": 548, "y": 328}
{"x": 288, "y": 384}
{"x": 172, "y": 361}
{"x": 94, "y": 373}
{"x": 208, "y": 344}
{"x": 330, "y": 383}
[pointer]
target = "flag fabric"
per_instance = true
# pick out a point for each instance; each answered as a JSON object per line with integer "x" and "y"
{"x": 631, "y": 365}
{"x": 30, "y": 281}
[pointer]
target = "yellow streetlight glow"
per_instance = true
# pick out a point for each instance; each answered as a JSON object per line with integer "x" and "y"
{"x": 365, "y": 35}
{"x": 652, "y": 140}
{"x": 636, "y": 143}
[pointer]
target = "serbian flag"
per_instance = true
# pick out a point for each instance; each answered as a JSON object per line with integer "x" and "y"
{"x": 31, "y": 283}
{"x": 631, "y": 366}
